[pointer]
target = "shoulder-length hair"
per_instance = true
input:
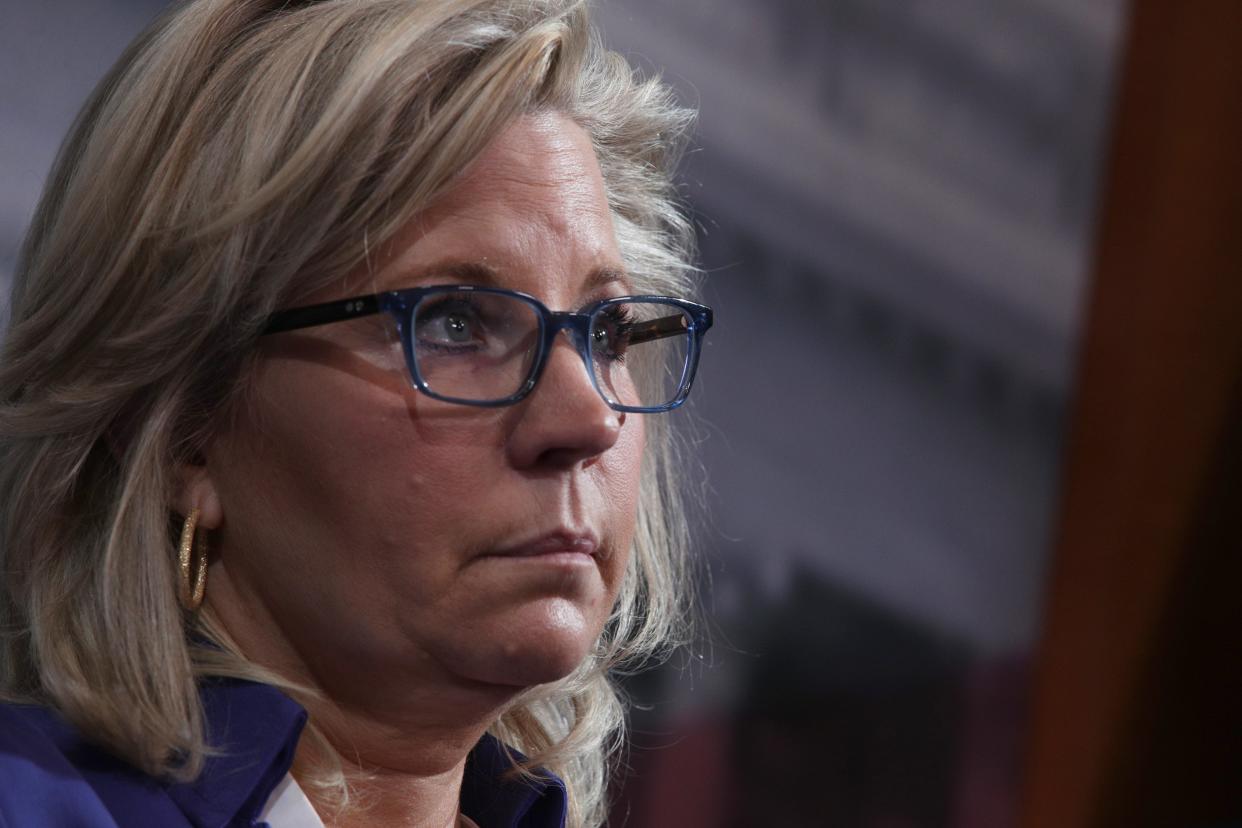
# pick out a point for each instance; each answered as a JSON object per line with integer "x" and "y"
{"x": 243, "y": 154}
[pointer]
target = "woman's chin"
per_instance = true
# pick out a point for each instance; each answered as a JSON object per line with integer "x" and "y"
{"x": 543, "y": 642}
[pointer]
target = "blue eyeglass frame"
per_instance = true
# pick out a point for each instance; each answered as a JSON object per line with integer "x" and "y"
{"x": 401, "y": 304}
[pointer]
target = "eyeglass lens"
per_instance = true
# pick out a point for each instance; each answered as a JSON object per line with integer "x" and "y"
{"x": 640, "y": 352}
{"x": 481, "y": 347}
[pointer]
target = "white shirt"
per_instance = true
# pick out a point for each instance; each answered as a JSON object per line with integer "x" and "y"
{"x": 289, "y": 807}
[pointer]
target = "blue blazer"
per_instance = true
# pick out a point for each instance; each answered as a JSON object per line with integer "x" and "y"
{"x": 51, "y": 776}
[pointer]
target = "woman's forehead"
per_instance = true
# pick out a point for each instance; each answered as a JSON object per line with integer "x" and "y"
{"x": 531, "y": 214}
{"x": 542, "y": 168}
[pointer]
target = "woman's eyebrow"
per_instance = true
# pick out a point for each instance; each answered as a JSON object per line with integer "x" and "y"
{"x": 458, "y": 270}
{"x": 480, "y": 273}
{"x": 602, "y": 276}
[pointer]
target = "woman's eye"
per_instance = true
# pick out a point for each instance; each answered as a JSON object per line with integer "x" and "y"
{"x": 452, "y": 325}
{"x": 456, "y": 327}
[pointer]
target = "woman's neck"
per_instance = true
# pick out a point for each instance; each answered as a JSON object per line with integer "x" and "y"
{"x": 403, "y": 763}
{"x": 423, "y": 790}
{"x": 400, "y": 742}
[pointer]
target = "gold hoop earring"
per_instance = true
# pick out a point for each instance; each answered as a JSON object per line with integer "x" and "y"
{"x": 193, "y": 582}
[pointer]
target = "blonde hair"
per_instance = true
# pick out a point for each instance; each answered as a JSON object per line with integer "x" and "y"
{"x": 240, "y": 155}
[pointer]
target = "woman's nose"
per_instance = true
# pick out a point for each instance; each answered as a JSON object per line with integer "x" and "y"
{"x": 564, "y": 421}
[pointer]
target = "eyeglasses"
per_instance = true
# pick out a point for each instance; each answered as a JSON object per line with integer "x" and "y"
{"x": 487, "y": 346}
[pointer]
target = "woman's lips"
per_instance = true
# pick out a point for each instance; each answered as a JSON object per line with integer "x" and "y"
{"x": 562, "y": 545}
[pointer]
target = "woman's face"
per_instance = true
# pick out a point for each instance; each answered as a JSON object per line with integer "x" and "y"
{"x": 373, "y": 539}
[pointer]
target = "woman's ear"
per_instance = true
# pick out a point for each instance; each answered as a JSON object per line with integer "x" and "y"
{"x": 197, "y": 490}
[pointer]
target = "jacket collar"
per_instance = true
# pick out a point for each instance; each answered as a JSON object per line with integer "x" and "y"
{"x": 253, "y": 730}
{"x": 495, "y": 798}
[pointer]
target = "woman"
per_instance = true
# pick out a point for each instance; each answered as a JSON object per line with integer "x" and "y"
{"x": 319, "y": 507}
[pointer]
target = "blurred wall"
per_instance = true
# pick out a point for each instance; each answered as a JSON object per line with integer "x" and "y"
{"x": 895, "y": 198}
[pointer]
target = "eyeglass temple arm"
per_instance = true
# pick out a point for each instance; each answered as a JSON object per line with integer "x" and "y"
{"x": 322, "y": 314}
{"x": 660, "y": 328}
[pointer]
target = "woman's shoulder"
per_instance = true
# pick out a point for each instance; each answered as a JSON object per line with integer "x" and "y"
{"x": 51, "y": 776}
{"x": 40, "y": 783}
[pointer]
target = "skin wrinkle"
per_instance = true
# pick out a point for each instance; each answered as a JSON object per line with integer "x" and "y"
{"x": 354, "y": 524}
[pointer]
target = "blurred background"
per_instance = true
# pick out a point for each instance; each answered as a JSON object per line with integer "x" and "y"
{"x": 895, "y": 201}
